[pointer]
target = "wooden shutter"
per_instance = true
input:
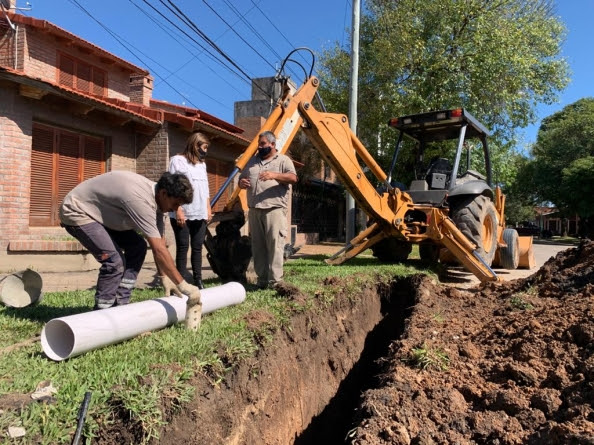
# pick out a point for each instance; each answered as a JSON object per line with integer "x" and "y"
{"x": 93, "y": 157}
{"x": 60, "y": 160}
{"x": 218, "y": 172}
{"x": 42, "y": 180}
{"x": 99, "y": 82}
{"x": 83, "y": 77}
{"x": 66, "y": 71}
{"x": 68, "y": 166}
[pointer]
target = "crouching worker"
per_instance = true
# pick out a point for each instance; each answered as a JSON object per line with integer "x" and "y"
{"x": 106, "y": 214}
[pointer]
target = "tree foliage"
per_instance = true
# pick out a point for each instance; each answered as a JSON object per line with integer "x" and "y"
{"x": 562, "y": 171}
{"x": 498, "y": 59}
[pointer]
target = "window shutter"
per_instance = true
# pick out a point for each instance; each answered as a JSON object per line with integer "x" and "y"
{"x": 83, "y": 74}
{"x": 217, "y": 175}
{"x": 60, "y": 160}
{"x": 93, "y": 162}
{"x": 69, "y": 161}
{"x": 42, "y": 181}
{"x": 99, "y": 82}
{"x": 66, "y": 73}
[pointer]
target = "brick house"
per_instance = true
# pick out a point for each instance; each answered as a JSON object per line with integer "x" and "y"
{"x": 70, "y": 110}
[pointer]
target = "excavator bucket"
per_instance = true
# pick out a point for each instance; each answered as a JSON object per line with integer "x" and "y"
{"x": 526, "y": 253}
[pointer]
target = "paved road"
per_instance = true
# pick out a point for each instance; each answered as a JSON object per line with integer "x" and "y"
{"x": 542, "y": 253}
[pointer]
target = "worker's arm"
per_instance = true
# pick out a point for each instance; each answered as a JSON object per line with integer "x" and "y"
{"x": 163, "y": 260}
{"x": 168, "y": 271}
{"x": 283, "y": 178}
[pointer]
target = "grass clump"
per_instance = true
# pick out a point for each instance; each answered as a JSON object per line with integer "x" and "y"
{"x": 429, "y": 358}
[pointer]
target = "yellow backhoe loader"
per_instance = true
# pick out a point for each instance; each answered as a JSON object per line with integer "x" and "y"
{"x": 447, "y": 212}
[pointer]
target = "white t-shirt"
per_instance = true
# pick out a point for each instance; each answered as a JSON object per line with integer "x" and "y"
{"x": 196, "y": 173}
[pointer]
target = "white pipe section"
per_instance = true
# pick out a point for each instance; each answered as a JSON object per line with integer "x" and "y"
{"x": 69, "y": 336}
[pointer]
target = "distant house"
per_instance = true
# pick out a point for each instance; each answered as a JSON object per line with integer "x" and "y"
{"x": 70, "y": 110}
{"x": 551, "y": 222}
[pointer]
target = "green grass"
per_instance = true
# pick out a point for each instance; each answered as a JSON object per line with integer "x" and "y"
{"x": 139, "y": 376}
{"x": 429, "y": 358}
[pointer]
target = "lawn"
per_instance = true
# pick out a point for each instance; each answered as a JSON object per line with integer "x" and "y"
{"x": 138, "y": 374}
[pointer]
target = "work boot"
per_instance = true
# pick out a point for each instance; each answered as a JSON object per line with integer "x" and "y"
{"x": 198, "y": 283}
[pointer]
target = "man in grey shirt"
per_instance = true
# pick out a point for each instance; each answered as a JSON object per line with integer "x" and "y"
{"x": 268, "y": 177}
{"x": 106, "y": 214}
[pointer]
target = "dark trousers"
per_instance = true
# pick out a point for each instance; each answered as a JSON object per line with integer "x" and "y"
{"x": 121, "y": 255}
{"x": 191, "y": 233}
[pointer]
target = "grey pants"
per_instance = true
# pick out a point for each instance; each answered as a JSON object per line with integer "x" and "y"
{"x": 121, "y": 255}
{"x": 268, "y": 228}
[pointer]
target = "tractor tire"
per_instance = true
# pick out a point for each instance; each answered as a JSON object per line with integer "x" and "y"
{"x": 476, "y": 218}
{"x": 391, "y": 250}
{"x": 509, "y": 257}
{"x": 429, "y": 252}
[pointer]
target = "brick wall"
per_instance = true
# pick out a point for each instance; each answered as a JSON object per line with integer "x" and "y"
{"x": 40, "y": 60}
{"x": 153, "y": 154}
{"x": 251, "y": 125}
{"x": 16, "y": 117}
{"x": 15, "y": 131}
{"x": 141, "y": 89}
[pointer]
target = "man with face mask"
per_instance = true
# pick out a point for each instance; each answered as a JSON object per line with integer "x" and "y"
{"x": 268, "y": 177}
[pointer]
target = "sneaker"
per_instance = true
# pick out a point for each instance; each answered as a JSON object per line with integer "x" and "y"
{"x": 103, "y": 305}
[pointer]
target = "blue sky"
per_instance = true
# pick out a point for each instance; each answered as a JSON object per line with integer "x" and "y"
{"x": 257, "y": 35}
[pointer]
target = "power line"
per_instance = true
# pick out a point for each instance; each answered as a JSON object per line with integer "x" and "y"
{"x": 237, "y": 34}
{"x": 119, "y": 40}
{"x": 194, "y": 56}
{"x": 182, "y": 16}
{"x": 196, "y": 42}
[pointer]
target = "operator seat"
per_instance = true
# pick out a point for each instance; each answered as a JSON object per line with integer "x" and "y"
{"x": 438, "y": 174}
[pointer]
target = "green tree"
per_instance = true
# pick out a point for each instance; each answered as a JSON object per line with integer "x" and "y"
{"x": 563, "y": 168}
{"x": 498, "y": 59}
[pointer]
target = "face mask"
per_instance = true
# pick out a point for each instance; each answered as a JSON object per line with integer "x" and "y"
{"x": 264, "y": 151}
{"x": 201, "y": 154}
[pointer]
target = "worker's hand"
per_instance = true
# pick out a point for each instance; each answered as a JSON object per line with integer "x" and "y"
{"x": 192, "y": 292}
{"x": 193, "y": 317}
{"x": 244, "y": 183}
{"x": 180, "y": 217}
{"x": 169, "y": 287}
{"x": 266, "y": 176}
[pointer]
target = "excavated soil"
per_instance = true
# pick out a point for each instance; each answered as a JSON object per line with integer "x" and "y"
{"x": 414, "y": 362}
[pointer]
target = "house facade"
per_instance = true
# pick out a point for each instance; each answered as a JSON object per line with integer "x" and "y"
{"x": 69, "y": 111}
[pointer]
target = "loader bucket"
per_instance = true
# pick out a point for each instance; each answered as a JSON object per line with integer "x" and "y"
{"x": 526, "y": 253}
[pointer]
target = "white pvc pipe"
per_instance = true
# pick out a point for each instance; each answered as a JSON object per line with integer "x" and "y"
{"x": 66, "y": 337}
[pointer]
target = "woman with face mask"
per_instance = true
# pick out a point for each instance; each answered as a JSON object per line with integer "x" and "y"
{"x": 189, "y": 221}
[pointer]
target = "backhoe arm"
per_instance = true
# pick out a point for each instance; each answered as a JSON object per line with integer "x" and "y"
{"x": 341, "y": 149}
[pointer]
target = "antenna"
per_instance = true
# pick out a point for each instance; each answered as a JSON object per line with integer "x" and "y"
{"x": 5, "y": 6}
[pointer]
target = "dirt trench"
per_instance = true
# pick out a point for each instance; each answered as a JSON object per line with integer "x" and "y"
{"x": 507, "y": 363}
{"x": 304, "y": 387}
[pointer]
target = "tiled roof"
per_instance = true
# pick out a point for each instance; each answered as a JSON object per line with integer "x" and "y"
{"x": 188, "y": 111}
{"x": 55, "y": 30}
{"x": 155, "y": 118}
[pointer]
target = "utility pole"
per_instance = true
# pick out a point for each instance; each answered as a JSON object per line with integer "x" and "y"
{"x": 350, "y": 202}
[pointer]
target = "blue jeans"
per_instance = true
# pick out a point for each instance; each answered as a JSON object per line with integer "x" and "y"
{"x": 121, "y": 255}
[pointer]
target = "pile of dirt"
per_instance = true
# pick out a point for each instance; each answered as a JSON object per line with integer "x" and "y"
{"x": 504, "y": 363}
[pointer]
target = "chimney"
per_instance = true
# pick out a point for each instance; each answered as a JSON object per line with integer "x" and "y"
{"x": 141, "y": 89}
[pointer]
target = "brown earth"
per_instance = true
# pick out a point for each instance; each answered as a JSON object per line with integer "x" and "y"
{"x": 413, "y": 362}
